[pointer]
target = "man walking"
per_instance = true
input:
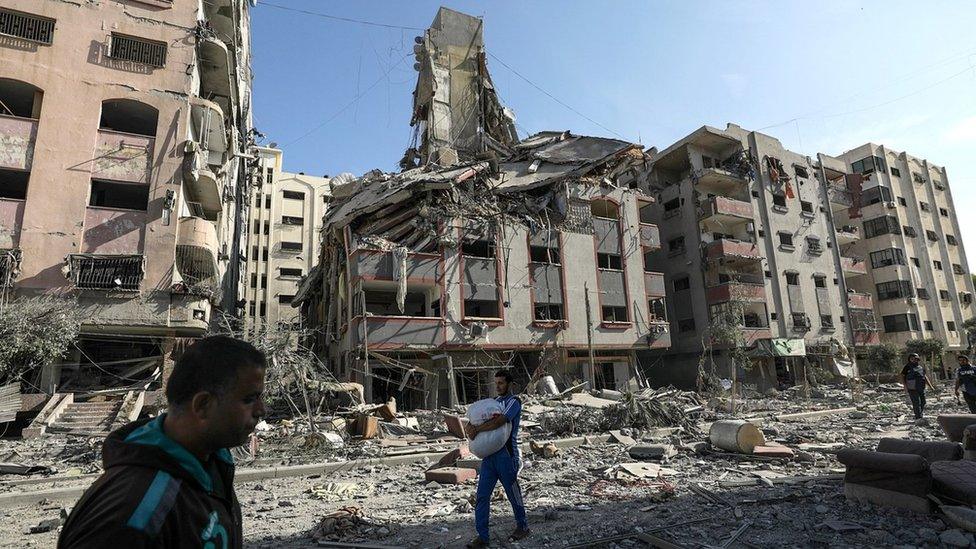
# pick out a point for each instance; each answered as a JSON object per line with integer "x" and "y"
{"x": 966, "y": 378}
{"x": 914, "y": 380}
{"x": 503, "y": 465}
{"x": 168, "y": 481}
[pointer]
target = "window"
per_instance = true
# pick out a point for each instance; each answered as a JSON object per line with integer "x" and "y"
{"x": 894, "y": 289}
{"x": 922, "y": 293}
{"x": 26, "y": 26}
{"x": 957, "y": 268}
{"x": 484, "y": 249}
{"x": 672, "y": 208}
{"x": 686, "y": 325}
{"x": 779, "y": 200}
{"x": 895, "y": 172}
{"x": 924, "y": 206}
{"x": 542, "y": 254}
{"x": 944, "y": 212}
{"x": 547, "y": 276}
{"x": 291, "y": 246}
{"x": 124, "y": 196}
{"x": 137, "y": 50}
{"x": 902, "y": 201}
{"x": 106, "y": 272}
{"x": 951, "y": 240}
{"x": 886, "y": 224}
{"x": 868, "y": 165}
{"x": 900, "y": 323}
{"x": 258, "y": 225}
{"x": 785, "y": 239}
{"x": 548, "y": 312}
{"x": 254, "y": 281}
{"x": 614, "y": 314}
{"x": 918, "y": 178}
{"x": 267, "y": 201}
{"x": 931, "y": 235}
{"x": 609, "y": 261}
{"x": 910, "y": 232}
{"x": 270, "y": 175}
{"x": 944, "y": 295}
{"x": 793, "y": 279}
{"x": 287, "y": 271}
{"x": 928, "y": 326}
{"x": 800, "y": 320}
{"x": 13, "y": 184}
{"x": 128, "y": 116}
{"x": 683, "y": 283}
{"x": 257, "y": 200}
{"x": 292, "y": 220}
{"x": 966, "y": 297}
{"x": 801, "y": 171}
{"x": 820, "y": 281}
{"x": 657, "y": 308}
{"x": 476, "y": 308}
{"x": 253, "y": 308}
{"x": 916, "y": 262}
{"x": 885, "y": 258}
{"x": 826, "y": 321}
{"x": 813, "y": 245}
{"x": 875, "y": 195}
{"x": 264, "y": 309}
{"x": 806, "y": 207}
{"x": 254, "y": 252}
{"x": 293, "y": 195}
{"x": 285, "y": 299}
{"x": 676, "y": 245}
{"x": 951, "y": 326}
{"x": 604, "y": 209}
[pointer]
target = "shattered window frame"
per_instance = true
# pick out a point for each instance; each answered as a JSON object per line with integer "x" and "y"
{"x": 486, "y": 244}
{"x": 551, "y": 255}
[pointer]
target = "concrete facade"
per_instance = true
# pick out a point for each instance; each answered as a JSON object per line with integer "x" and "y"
{"x": 916, "y": 261}
{"x": 744, "y": 219}
{"x": 122, "y": 165}
{"x": 291, "y": 206}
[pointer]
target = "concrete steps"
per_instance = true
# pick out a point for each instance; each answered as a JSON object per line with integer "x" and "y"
{"x": 86, "y": 418}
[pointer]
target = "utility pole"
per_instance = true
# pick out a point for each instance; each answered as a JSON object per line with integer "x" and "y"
{"x": 591, "y": 374}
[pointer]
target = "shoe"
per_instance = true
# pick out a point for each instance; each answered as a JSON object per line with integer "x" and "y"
{"x": 519, "y": 533}
{"x": 477, "y": 543}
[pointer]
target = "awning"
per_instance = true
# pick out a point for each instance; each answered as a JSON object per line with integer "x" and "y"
{"x": 779, "y": 347}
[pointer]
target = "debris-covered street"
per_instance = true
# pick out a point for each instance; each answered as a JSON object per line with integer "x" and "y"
{"x": 598, "y": 489}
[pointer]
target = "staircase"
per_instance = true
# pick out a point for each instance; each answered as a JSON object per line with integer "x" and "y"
{"x": 86, "y": 418}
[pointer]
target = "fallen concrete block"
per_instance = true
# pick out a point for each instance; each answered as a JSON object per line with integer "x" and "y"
{"x": 367, "y": 426}
{"x": 469, "y": 463}
{"x": 652, "y": 451}
{"x": 453, "y": 456}
{"x": 455, "y": 425}
{"x": 617, "y": 436}
{"x": 450, "y": 475}
{"x": 953, "y": 425}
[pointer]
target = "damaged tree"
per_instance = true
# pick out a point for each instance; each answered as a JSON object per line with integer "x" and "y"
{"x": 35, "y": 331}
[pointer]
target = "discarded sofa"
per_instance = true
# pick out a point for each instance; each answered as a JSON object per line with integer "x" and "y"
{"x": 902, "y": 473}
{"x": 953, "y": 425}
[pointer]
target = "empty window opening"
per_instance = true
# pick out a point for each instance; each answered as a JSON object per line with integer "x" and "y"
{"x": 779, "y": 200}
{"x": 292, "y": 220}
{"x": 13, "y": 184}
{"x": 286, "y": 271}
{"x": 793, "y": 279}
{"x": 19, "y": 98}
{"x": 806, "y": 207}
{"x": 293, "y": 195}
{"x": 657, "y": 309}
{"x": 604, "y": 209}
{"x": 285, "y": 299}
{"x": 478, "y": 248}
{"x": 614, "y": 314}
{"x": 542, "y": 254}
{"x": 124, "y": 196}
{"x": 683, "y": 283}
{"x": 548, "y": 311}
{"x": 820, "y": 281}
{"x": 291, "y": 246}
{"x": 475, "y": 308}
{"x": 383, "y": 303}
{"x": 127, "y": 116}
{"x": 686, "y": 325}
{"x": 609, "y": 261}
{"x": 676, "y": 245}
{"x": 785, "y": 239}
{"x": 646, "y": 211}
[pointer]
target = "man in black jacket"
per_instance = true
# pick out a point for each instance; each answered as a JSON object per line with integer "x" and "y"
{"x": 169, "y": 481}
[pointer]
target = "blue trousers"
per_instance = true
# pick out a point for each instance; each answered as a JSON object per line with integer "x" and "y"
{"x": 500, "y": 466}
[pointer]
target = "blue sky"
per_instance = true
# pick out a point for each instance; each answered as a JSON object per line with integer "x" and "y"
{"x": 821, "y": 77}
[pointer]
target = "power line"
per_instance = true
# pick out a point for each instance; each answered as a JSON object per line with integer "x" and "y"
{"x": 553, "y": 97}
{"x": 338, "y": 18}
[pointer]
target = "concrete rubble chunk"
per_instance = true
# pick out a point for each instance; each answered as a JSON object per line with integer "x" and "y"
{"x": 956, "y": 538}
{"x": 652, "y": 451}
{"x": 450, "y": 475}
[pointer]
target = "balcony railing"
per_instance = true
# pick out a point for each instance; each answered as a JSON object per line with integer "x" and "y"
{"x": 17, "y": 136}
{"x": 106, "y": 272}
{"x": 859, "y": 301}
{"x": 735, "y": 290}
{"x": 726, "y": 210}
{"x": 196, "y": 253}
{"x": 719, "y": 181}
{"x": 853, "y": 266}
{"x": 848, "y": 233}
{"x": 123, "y": 156}
{"x": 730, "y": 249}
{"x": 401, "y": 332}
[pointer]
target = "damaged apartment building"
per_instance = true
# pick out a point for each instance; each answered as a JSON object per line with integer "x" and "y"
{"x": 749, "y": 224}
{"x": 123, "y": 131}
{"x": 486, "y": 251}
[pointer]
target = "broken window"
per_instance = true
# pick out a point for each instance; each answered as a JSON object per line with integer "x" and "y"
{"x": 826, "y": 321}
{"x": 820, "y": 281}
{"x": 785, "y": 239}
{"x": 944, "y": 295}
{"x": 686, "y": 325}
{"x": 614, "y": 314}
{"x": 868, "y": 165}
{"x": 931, "y": 235}
{"x": 957, "y": 268}
{"x": 478, "y": 248}
{"x": 683, "y": 283}
{"x": 886, "y": 224}
{"x": 900, "y": 323}
{"x": 105, "y": 272}
{"x": 936, "y": 264}
{"x": 291, "y": 246}
{"x": 672, "y": 208}
{"x": 646, "y": 212}
{"x": 676, "y": 245}
{"x": 605, "y": 209}
{"x": 895, "y": 172}
{"x": 609, "y": 261}
{"x": 125, "y": 196}
{"x": 293, "y": 195}
{"x": 924, "y": 206}
{"x": 806, "y": 207}
{"x": 480, "y": 276}
{"x": 801, "y": 171}
{"x": 13, "y": 184}
{"x": 944, "y": 213}
{"x": 286, "y": 271}
{"x": 779, "y": 200}
{"x": 267, "y": 201}
{"x": 910, "y": 232}
{"x": 26, "y": 26}
{"x": 951, "y": 240}
{"x": 137, "y": 50}
{"x": 19, "y": 99}
{"x": 476, "y": 308}
{"x": 793, "y": 279}
{"x": 543, "y": 254}
{"x": 887, "y": 257}
{"x": 922, "y": 293}
{"x": 814, "y": 246}
{"x": 547, "y": 279}
{"x": 951, "y": 326}
{"x": 894, "y": 289}
{"x": 128, "y": 116}
{"x": 292, "y": 220}
{"x": 548, "y": 312}
{"x": 657, "y": 309}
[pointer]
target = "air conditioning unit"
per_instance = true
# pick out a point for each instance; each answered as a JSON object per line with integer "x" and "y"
{"x": 890, "y": 204}
{"x": 478, "y": 329}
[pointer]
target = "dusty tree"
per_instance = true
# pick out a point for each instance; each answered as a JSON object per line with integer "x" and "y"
{"x": 35, "y": 331}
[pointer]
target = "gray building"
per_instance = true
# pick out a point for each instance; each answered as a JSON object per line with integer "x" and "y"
{"x": 745, "y": 220}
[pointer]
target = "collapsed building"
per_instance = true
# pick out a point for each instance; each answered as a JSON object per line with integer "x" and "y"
{"x": 486, "y": 251}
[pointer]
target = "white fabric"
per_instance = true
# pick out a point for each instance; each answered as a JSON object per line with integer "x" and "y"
{"x": 487, "y": 443}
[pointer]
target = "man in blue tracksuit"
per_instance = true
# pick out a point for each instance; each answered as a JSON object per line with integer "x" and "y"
{"x": 503, "y": 465}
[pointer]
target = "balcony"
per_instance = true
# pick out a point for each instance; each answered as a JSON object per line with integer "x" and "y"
{"x": 745, "y": 291}
{"x": 853, "y": 266}
{"x": 123, "y": 156}
{"x": 726, "y": 211}
{"x": 654, "y": 284}
{"x": 216, "y": 76}
{"x": 11, "y": 220}
{"x": 401, "y": 332}
{"x": 733, "y": 252}
{"x": 719, "y": 181}
{"x": 840, "y": 197}
{"x": 220, "y": 16}
{"x": 860, "y": 301}
{"x": 848, "y": 234}
{"x": 379, "y": 265}
{"x": 650, "y": 236}
{"x": 204, "y": 186}
{"x": 196, "y": 253}
{"x": 114, "y": 231}
{"x": 209, "y": 131}
{"x": 17, "y": 137}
